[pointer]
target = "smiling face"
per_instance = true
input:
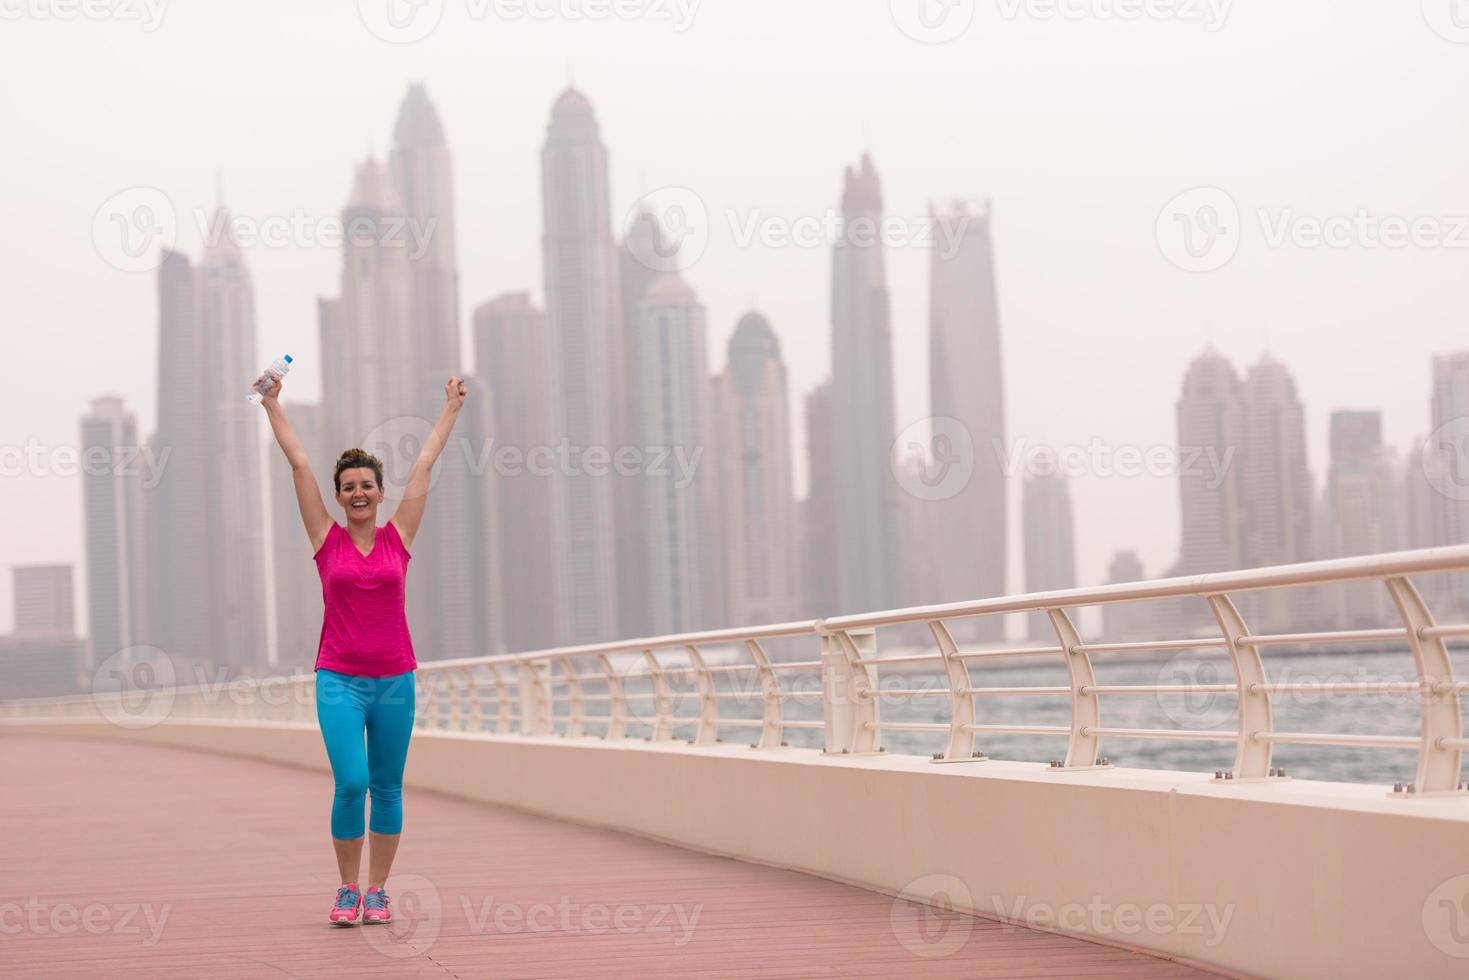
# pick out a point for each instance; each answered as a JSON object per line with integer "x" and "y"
{"x": 359, "y": 494}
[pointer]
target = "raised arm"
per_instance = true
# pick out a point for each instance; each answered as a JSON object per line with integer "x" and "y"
{"x": 409, "y": 514}
{"x": 308, "y": 496}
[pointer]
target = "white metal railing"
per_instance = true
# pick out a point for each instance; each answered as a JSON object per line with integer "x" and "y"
{"x": 639, "y": 687}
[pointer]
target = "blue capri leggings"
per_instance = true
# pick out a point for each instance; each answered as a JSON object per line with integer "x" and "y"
{"x": 383, "y": 707}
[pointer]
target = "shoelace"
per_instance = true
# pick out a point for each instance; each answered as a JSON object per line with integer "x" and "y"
{"x": 376, "y": 899}
{"x": 346, "y": 898}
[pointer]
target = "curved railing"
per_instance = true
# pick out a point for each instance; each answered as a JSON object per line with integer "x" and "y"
{"x": 702, "y": 687}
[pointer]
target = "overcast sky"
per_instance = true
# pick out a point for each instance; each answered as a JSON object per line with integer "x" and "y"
{"x": 1080, "y": 121}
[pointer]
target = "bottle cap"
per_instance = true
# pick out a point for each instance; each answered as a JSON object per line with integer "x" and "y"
{"x": 288, "y": 358}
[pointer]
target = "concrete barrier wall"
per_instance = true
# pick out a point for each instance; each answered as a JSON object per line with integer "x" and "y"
{"x": 1295, "y": 879}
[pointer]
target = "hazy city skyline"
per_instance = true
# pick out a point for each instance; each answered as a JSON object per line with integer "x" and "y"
{"x": 1062, "y": 242}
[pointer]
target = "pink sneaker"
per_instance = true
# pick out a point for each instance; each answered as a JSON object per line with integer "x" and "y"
{"x": 348, "y": 906}
{"x": 376, "y": 907}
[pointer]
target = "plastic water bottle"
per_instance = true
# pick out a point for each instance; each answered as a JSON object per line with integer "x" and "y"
{"x": 277, "y": 369}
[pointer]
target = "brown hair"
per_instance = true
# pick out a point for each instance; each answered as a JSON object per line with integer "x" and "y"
{"x": 352, "y": 459}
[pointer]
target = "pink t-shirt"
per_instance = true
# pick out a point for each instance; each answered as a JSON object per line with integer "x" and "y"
{"x": 364, "y": 629}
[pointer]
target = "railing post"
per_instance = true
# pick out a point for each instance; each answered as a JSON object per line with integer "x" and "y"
{"x": 961, "y": 702}
{"x": 662, "y": 699}
{"x": 616, "y": 699}
{"x": 476, "y": 710}
{"x": 1086, "y": 707}
{"x": 424, "y": 694}
{"x": 1438, "y": 763}
{"x": 457, "y": 695}
{"x": 535, "y": 715}
{"x": 850, "y": 703}
{"x": 1252, "y": 757}
{"x": 708, "y": 727}
{"x": 504, "y": 704}
{"x": 576, "y": 710}
{"x": 773, "y": 703}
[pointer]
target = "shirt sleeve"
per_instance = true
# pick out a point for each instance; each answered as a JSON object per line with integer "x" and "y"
{"x": 325, "y": 541}
{"x": 397, "y": 540}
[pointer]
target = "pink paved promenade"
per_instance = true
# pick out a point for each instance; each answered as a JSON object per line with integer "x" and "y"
{"x": 129, "y": 860}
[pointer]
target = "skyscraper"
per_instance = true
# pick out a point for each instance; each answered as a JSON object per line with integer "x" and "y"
{"x": 821, "y": 585}
{"x": 1050, "y": 543}
{"x": 441, "y": 609}
{"x": 423, "y": 181}
{"x": 680, "y": 571}
{"x": 583, "y": 313}
{"x": 1276, "y": 491}
{"x": 1419, "y": 500}
{"x": 458, "y": 586}
{"x": 205, "y": 563}
{"x": 44, "y": 599}
{"x": 1129, "y": 621}
{"x": 180, "y": 569}
{"x": 1362, "y": 510}
{"x": 642, "y": 258}
{"x": 513, "y": 355}
{"x": 1360, "y": 491}
{"x": 862, "y": 403}
{"x": 966, "y": 382}
{"x": 43, "y": 657}
{"x": 236, "y": 549}
{"x": 371, "y": 370}
{"x": 1449, "y": 463}
{"x": 758, "y": 507}
{"x": 1211, "y": 432}
{"x": 112, "y": 522}
{"x": 1274, "y": 472}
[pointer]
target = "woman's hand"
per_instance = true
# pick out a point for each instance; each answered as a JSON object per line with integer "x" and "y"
{"x": 454, "y": 393}
{"x": 274, "y": 391}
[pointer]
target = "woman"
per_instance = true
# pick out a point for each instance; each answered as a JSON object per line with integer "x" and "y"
{"x": 365, "y": 661}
